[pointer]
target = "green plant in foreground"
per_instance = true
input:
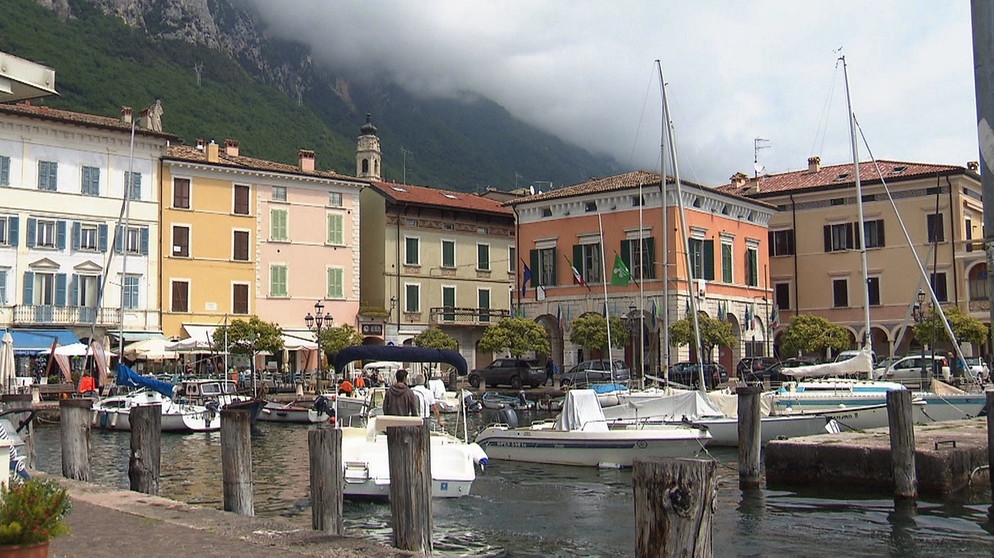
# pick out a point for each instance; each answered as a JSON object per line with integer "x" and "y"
{"x": 32, "y": 511}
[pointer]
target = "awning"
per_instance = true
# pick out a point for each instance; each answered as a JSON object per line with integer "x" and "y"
{"x": 29, "y": 342}
{"x": 295, "y": 340}
{"x": 134, "y": 336}
{"x": 200, "y": 340}
{"x": 200, "y": 333}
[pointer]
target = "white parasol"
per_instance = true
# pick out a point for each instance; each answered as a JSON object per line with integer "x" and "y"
{"x": 7, "y": 362}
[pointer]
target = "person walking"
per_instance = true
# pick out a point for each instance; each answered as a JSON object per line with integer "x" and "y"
{"x": 428, "y": 403}
{"x": 399, "y": 400}
{"x": 550, "y": 372}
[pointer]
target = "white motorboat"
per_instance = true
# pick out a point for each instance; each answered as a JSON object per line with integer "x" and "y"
{"x": 347, "y": 408}
{"x": 223, "y": 392}
{"x": 366, "y": 462}
{"x": 581, "y": 435}
{"x": 112, "y": 413}
{"x": 293, "y": 412}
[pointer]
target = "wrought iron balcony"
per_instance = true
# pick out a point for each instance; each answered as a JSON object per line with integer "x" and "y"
{"x": 451, "y": 315}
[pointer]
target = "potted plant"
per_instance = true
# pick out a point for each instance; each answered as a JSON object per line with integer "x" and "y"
{"x": 32, "y": 513}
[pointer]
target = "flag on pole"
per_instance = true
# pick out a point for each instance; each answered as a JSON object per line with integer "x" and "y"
{"x": 755, "y": 318}
{"x": 525, "y": 280}
{"x": 559, "y": 315}
{"x": 621, "y": 275}
{"x": 775, "y": 317}
{"x": 748, "y": 319}
{"x": 688, "y": 306}
{"x": 576, "y": 274}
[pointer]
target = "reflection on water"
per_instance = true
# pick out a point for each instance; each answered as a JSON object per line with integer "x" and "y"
{"x": 522, "y": 509}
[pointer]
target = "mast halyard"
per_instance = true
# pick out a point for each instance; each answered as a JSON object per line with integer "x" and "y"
{"x": 665, "y": 232}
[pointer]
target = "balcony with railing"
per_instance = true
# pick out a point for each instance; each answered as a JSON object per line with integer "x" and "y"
{"x": 451, "y": 315}
{"x": 45, "y": 314}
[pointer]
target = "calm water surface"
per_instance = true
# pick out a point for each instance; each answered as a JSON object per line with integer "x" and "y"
{"x": 519, "y": 509}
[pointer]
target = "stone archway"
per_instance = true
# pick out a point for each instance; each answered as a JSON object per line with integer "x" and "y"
{"x": 551, "y": 325}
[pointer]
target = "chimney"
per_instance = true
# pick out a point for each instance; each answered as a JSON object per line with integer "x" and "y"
{"x": 143, "y": 121}
{"x": 126, "y": 115}
{"x": 738, "y": 179}
{"x": 814, "y": 164}
{"x": 306, "y": 160}
{"x": 754, "y": 184}
{"x": 201, "y": 144}
{"x": 973, "y": 166}
{"x": 212, "y": 152}
{"x": 231, "y": 148}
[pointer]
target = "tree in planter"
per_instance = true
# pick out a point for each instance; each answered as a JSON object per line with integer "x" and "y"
{"x": 517, "y": 335}
{"x": 808, "y": 333}
{"x": 250, "y": 338}
{"x": 32, "y": 512}
{"x": 334, "y": 339}
{"x": 590, "y": 332}
{"x": 714, "y": 333}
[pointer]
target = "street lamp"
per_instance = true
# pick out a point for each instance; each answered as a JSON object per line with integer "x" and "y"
{"x": 918, "y": 313}
{"x": 315, "y": 323}
{"x": 632, "y": 309}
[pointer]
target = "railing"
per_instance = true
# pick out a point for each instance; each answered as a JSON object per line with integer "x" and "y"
{"x": 450, "y": 315}
{"x": 30, "y": 314}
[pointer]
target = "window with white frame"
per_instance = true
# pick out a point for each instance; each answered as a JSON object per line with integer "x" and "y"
{"x": 512, "y": 259}
{"x": 136, "y": 240}
{"x": 180, "y": 296}
{"x": 88, "y": 237}
{"x": 412, "y": 250}
{"x": 412, "y": 297}
{"x": 590, "y": 262}
{"x": 3, "y": 286}
{"x": 239, "y": 298}
{"x": 545, "y": 272}
{"x": 85, "y": 290}
{"x": 840, "y": 293}
{"x": 181, "y": 241}
{"x": 240, "y": 246}
{"x": 726, "y": 262}
{"x": 483, "y": 304}
{"x": 48, "y": 175}
{"x": 45, "y": 233}
{"x": 279, "y": 193}
{"x": 133, "y": 182}
{"x": 752, "y": 267}
{"x": 335, "y": 199}
{"x": 132, "y": 284}
{"x": 448, "y": 253}
{"x": 336, "y": 226}
{"x": 90, "y": 181}
{"x": 4, "y": 170}
{"x": 448, "y": 301}
{"x": 278, "y": 230}
{"x": 278, "y": 280}
{"x": 335, "y": 283}
{"x": 8, "y": 230}
{"x": 181, "y": 193}
{"x": 243, "y": 201}
{"x": 483, "y": 256}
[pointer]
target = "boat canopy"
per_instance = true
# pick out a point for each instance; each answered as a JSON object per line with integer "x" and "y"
{"x": 862, "y": 363}
{"x": 397, "y": 353}
{"x": 581, "y": 412}
{"x": 128, "y": 377}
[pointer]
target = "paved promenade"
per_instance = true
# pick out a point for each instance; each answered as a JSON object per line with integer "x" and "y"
{"x": 119, "y": 523}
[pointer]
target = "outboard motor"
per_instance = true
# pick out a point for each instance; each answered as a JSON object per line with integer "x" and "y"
{"x": 323, "y": 406}
{"x": 523, "y": 402}
{"x": 508, "y": 416}
{"x": 471, "y": 404}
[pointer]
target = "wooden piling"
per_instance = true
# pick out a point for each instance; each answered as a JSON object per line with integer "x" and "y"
{"x": 902, "y": 444}
{"x": 410, "y": 487}
{"x": 674, "y": 506}
{"x": 324, "y": 447}
{"x": 74, "y": 419}
{"x": 146, "y": 445}
{"x": 750, "y": 436}
{"x": 236, "y": 461}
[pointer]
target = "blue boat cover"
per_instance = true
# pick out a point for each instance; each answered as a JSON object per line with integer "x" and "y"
{"x": 602, "y": 389}
{"x": 396, "y": 353}
{"x": 128, "y": 377}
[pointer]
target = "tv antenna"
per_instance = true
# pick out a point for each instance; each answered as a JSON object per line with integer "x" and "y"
{"x": 405, "y": 151}
{"x": 756, "y": 146}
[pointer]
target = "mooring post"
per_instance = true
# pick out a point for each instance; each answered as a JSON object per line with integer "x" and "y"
{"x": 902, "y": 444}
{"x": 236, "y": 461}
{"x": 146, "y": 445}
{"x": 410, "y": 487}
{"x": 750, "y": 436}
{"x": 324, "y": 447}
{"x": 674, "y": 506}
{"x": 74, "y": 418}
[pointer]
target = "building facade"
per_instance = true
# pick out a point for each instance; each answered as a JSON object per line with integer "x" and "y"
{"x": 587, "y": 226}
{"x": 815, "y": 247}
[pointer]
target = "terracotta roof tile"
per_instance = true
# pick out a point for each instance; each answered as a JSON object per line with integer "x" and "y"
{"x": 194, "y": 155}
{"x": 59, "y": 115}
{"x": 836, "y": 177}
{"x": 422, "y": 195}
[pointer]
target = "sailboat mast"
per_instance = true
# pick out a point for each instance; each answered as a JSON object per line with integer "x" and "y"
{"x": 859, "y": 205}
{"x": 607, "y": 314}
{"x": 683, "y": 227}
{"x": 664, "y": 234}
{"x": 124, "y": 236}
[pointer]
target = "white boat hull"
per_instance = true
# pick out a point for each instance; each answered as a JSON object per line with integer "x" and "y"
{"x": 296, "y": 414}
{"x": 113, "y": 413}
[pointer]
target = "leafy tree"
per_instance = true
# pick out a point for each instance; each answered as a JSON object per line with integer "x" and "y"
{"x": 965, "y": 327}
{"x": 590, "y": 332}
{"x": 808, "y": 333}
{"x": 435, "y": 338}
{"x": 334, "y": 339}
{"x": 517, "y": 335}
{"x": 714, "y": 333}
{"x": 249, "y": 338}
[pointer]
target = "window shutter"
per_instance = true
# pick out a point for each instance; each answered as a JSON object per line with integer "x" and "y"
{"x": 555, "y": 266}
{"x": 102, "y": 234}
{"x": 144, "y": 240}
{"x": 849, "y": 235}
{"x": 119, "y": 239}
{"x": 880, "y": 231}
{"x": 854, "y": 227}
{"x": 828, "y": 238}
{"x": 29, "y": 288}
{"x": 533, "y": 265}
{"x": 769, "y": 242}
{"x": 709, "y": 260}
{"x": 77, "y": 229}
{"x": 60, "y": 289}
{"x": 74, "y": 290}
{"x": 626, "y": 252}
{"x": 32, "y": 232}
{"x": 578, "y": 261}
{"x": 12, "y": 223}
{"x": 60, "y": 235}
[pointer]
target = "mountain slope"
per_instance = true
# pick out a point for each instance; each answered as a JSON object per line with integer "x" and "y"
{"x": 268, "y": 96}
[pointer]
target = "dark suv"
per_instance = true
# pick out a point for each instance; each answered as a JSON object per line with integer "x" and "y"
{"x": 686, "y": 373}
{"x": 514, "y": 372}
{"x": 595, "y": 371}
{"x": 755, "y": 365}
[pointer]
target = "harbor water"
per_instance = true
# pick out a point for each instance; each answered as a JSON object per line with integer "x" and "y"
{"x": 521, "y": 509}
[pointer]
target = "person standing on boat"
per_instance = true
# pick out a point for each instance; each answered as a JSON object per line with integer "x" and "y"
{"x": 399, "y": 399}
{"x": 428, "y": 403}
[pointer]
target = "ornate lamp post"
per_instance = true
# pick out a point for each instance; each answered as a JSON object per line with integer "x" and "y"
{"x": 315, "y": 323}
{"x": 634, "y": 324}
{"x": 918, "y": 312}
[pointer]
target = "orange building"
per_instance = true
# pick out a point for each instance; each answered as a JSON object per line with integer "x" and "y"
{"x": 588, "y": 226}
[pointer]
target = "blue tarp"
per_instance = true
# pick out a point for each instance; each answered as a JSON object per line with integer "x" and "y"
{"x": 28, "y": 342}
{"x": 395, "y": 353}
{"x": 128, "y": 377}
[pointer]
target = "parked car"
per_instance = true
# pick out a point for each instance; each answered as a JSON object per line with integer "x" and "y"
{"x": 884, "y": 364}
{"x": 775, "y": 374}
{"x": 595, "y": 371}
{"x": 909, "y": 369}
{"x": 686, "y": 373}
{"x": 753, "y": 364}
{"x": 978, "y": 368}
{"x": 514, "y": 372}
{"x": 846, "y": 355}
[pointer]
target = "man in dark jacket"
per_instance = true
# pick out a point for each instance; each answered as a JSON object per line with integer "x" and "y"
{"x": 400, "y": 400}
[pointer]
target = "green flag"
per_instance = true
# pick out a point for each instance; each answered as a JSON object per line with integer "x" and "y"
{"x": 620, "y": 276}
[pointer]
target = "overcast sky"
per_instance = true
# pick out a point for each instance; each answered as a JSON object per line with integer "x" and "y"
{"x": 735, "y": 70}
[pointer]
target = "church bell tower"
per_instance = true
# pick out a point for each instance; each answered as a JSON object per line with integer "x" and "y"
{"x": 367, "y": 153}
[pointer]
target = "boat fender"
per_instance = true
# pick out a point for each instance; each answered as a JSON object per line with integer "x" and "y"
{"x": 478, "y": 454}
{"x": 507, "y": 416}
